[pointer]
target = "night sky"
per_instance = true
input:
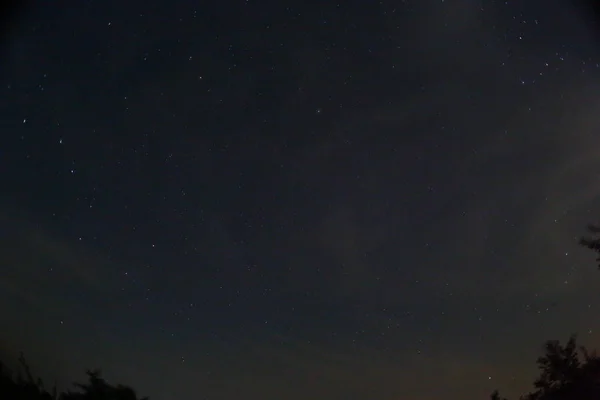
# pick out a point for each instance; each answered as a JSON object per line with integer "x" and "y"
{"x": 285, "y": 200}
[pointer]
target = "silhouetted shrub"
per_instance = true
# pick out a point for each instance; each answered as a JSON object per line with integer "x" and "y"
{"x": 21, "y": 385}
{"x": 566, "y": 373}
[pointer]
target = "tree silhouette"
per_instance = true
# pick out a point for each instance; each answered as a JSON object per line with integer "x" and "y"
{"x": 496, "y": 396}
{"x": 23, "y": 386}
{"x": 592, "y": 242}
{"x": 564, "y": 374}
{"x": 567, "y": 372}
{"x": 98, "y": 389}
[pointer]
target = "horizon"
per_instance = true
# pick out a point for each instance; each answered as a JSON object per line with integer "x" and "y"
{"x": 283, "y": 200}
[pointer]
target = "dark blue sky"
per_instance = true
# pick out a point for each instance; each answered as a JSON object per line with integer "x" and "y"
{"x": 271, "y": 200}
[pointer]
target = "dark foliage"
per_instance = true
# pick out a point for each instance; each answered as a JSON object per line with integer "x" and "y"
{"x": 568, "y": 372}
{"x": 592, "y": 242}
{"x": 23, "y": 386}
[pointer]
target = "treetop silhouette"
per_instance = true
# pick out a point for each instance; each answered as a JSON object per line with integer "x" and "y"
{"x": 23, "y": 386}
{"x": 592, "y": 242}
{"x": 568, "y": 372}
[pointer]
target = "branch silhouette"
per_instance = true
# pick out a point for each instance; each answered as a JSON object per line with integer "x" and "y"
{"x": 569, "y": 371}
{"x": 21, "y": 385}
